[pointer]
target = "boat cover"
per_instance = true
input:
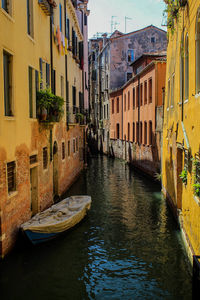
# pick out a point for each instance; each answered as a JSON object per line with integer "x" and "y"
{"x": 61, "y": 216}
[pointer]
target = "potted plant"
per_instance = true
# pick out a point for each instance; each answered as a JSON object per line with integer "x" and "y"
{"x": 183, "y": 176}
{"x": 79, "y": 117}
{"x": 197, "y": 189}
{"x": 44, "y": 102}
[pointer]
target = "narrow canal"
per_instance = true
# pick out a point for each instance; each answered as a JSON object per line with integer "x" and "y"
{"x": 128, "y": 247}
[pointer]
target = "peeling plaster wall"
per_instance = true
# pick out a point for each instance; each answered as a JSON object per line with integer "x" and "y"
{"x": 141, "y": 43}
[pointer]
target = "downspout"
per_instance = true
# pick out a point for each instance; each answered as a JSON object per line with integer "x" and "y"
{"x": 122, "y": 117}
{"x": 51, "y": 45}
{"x": 183, "y": 86}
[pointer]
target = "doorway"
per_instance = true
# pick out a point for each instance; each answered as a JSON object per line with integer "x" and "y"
{"x": 34, "y": 190}
{"x": 55, "y": 169}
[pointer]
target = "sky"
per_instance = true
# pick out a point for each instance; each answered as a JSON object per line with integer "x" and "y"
{"x": 141, "y": 13}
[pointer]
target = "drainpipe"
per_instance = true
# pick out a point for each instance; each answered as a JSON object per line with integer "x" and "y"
{"x": 51, "y": 45}
{"x": 122, "y": 117}
{"x": 183, "y": 86}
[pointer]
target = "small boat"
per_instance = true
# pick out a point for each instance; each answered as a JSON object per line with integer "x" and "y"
{"x": 56, "y": 219}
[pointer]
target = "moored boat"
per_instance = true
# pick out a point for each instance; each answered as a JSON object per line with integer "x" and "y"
{"x": 56, "y": 219}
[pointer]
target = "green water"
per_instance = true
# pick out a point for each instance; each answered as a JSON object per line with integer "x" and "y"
{"x": 128, "y": 247}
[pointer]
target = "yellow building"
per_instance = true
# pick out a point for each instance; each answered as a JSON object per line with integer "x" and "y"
{"x": 40, "y": 47}
{"x": 181, "y": 132}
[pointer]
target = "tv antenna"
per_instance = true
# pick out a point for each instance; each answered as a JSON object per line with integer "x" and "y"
{"x": 113, "y": 23}
{"x": 126, "y": 18}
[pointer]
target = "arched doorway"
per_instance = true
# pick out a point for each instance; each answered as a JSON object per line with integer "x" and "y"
{"x": 55, "y": 169}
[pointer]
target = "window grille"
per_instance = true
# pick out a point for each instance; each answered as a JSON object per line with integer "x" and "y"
{"x": 33, "y": 159}
{"x": 45, "y": 158}
{"x": 11, "y": 176}
{"x": 63, "y": 150}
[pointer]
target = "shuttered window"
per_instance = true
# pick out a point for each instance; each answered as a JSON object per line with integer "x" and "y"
{"x": 30, "y": 17}
{"x": 47, "y": 75}
{"x": 7, "y": 74}
{"x": 30, "y": 80}
{"x": 74, "y": 98}
{"x": 60, "y": 15}
{"x": 11, "y": 176}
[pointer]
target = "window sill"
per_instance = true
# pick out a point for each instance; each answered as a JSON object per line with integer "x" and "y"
{"x": 7, "y": 15}
{"x": 12, "y": 194}
{"x": 31, "y": 38}
{"x": 197, "y": 200}
{"x": 9, "y": 118}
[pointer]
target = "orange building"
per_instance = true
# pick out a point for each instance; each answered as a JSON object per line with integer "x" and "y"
{"x": 136, "y": 114}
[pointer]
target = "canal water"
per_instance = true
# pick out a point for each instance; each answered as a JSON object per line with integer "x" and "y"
{"x": 128, "y": 247}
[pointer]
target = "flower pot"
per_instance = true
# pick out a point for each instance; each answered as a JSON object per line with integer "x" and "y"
{"x": 43, "y": 114}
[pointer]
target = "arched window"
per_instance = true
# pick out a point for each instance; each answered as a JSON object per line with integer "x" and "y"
{"x": 197, "y": 38}
{"x": 186, "y": 68}
{"x": 128, "y": 131}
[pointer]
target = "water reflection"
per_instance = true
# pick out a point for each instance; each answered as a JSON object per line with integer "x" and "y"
{"x": 127, "y": 248}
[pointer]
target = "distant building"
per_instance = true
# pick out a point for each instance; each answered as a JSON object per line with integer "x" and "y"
{"x": 136, "y": 115}
{"x": 112, "y": 65}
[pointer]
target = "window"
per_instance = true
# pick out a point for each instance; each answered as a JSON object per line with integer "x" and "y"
{"x": 6, "y": 5}
{"x": 113, "y": 106}
{"x": 62, "y": 86}
{"x": 47, "y": 75}
{"x": 137, "y": 95}
{"x": 45, "y": 158}
{"x": 54, "y": 83}
{"x": 74, "y": 146}
{"x": 186, "y": 68}
{"x": 153, "y": 39}
{"x": 198, "y": 53}
{"x": 32, "y": 93}
{"x": 63, "y": 150}
{"x": 60, "y": 16}
{"x": 85, "y": 19}
{"x": 145, "y": 133}
{"x": 133, "y": 132}
{"x": 117, "y": 105}
{"x": 145, "y": 92}
{"x": 7, "y": 74}
{"x": 107, "y": 111}
{"x": 150, "y": 132}
{"x": 137, "y": 132}
{"x": 168, "y": 95}
{"x": 128, "y": 76}
{"x": 133, "y": 98}
{"x": 117, "y": 129}
{"x": 128, "y": 100}
{"x": 141, "y": 94}
{"x": 125, "y": 102}
{"x": 150, "y": 90}
{"x": 33, "y": 159}
{"x": 11, "y": 176}
{"x": 128, "y": 131}
{"x": 172, "y": 90}
{"x": 30, "y": 17}
{"x": 141, "y": 137}
{"x": 74, "y": 98}
{"x": 68, "y": 146}
{"x": 130, "y": 55}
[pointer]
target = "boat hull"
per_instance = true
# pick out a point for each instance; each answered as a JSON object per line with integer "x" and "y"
{"x": 39, "y": 237}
